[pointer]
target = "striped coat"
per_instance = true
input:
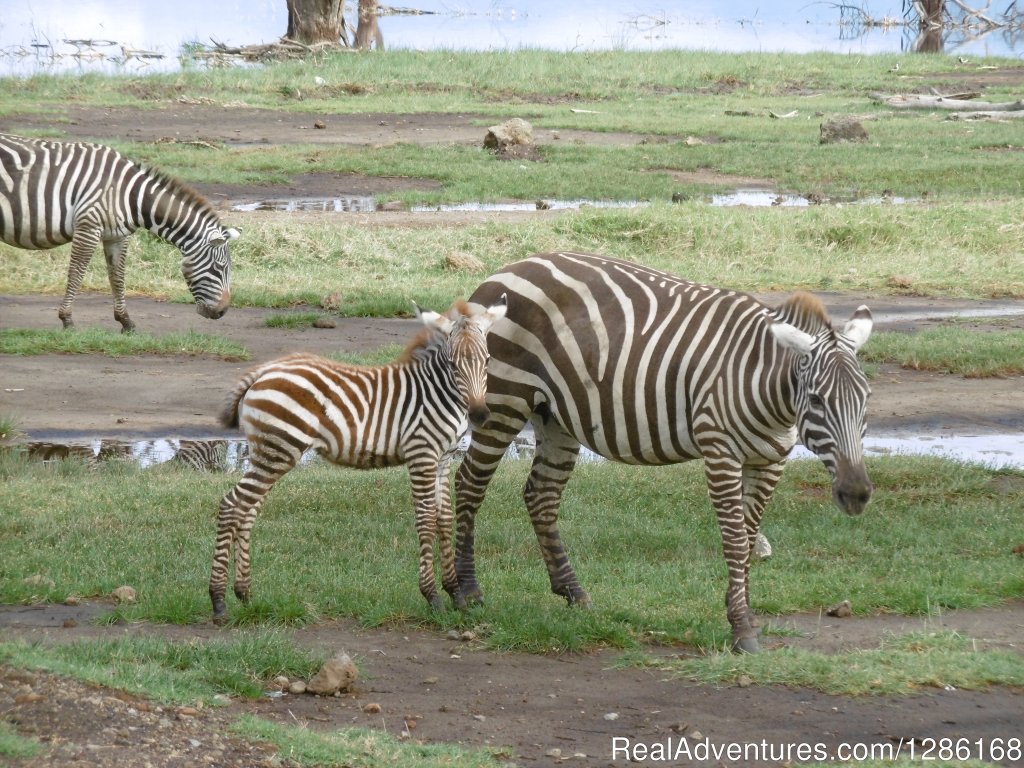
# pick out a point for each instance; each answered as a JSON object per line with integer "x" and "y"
{"x": 643, "y": 367}
{"x": 57, "y": 192}
{"x": 411, "y": 412}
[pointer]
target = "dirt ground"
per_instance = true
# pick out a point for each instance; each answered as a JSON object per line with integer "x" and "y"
{"x": 541, "y": 710}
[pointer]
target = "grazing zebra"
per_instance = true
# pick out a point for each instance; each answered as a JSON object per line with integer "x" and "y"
{"x": 411, "y": 412}
{"x": 56, "y": 192}
{"x": 645, "y": 368}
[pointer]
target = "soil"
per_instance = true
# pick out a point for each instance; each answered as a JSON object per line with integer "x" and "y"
{"x": 539, "y": 710}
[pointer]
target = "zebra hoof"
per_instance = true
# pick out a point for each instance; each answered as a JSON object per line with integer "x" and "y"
{"x": 464, "y": 601}
{"x": 436, "y": 604}
{"x": 746, "y": 645}
{"x": 220, "y": 619}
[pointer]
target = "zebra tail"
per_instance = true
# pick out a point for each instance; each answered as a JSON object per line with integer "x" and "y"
{"x": 229, "y": 414}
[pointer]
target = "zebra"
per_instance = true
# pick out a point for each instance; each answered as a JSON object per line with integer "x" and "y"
{"x": 56, "y": 192}
{"x": 643, "y": 367}
{"x": 411, "y": 412}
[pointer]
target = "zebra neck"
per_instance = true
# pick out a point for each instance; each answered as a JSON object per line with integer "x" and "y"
{"x": 433, "y": 364}
{"x": 175, "y": 213}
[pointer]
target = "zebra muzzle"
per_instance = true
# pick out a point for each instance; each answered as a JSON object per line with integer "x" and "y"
{"x": 214, "y": 311}
{"x": 852, "y": 495}
{"x": 479, "y": 414}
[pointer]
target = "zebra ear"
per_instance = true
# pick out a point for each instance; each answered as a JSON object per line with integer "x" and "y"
{"x": 792, "y": 338}
{"x": 858, "y": 327}
{"x": 493, "y": 314}
{"x": 431, "y": 319}
{"x": 223, "y": 237}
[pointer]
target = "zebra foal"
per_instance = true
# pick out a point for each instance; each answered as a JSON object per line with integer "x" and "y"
{"x": 410, "y": 412}
{"x": 57, "y": 192}
{"x": 646, "y": 368}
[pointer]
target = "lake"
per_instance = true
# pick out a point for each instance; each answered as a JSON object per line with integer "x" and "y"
{"x": 34, "y": 33}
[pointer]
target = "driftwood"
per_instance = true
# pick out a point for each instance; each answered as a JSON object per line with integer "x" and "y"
{"x": 285, "y": 48}
{"x": 957, "y": 102}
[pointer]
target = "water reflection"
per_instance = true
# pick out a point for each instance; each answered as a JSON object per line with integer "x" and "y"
{"x": 995, "y": 451}
{"x": 139, "y": 36}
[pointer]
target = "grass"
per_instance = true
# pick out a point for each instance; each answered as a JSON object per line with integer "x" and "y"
{"x": 293, "y": 320}
{"x": 627, "y": 530}
{"x": 899, "y": 666}
{"x": 951, "y": 349}
{"x": 174, "y": 672}
{"x": 966, "y": 249}
{"x": 114, "y": 344}
{"x": 360, "y": 746}
{"x": 14, "y": 746}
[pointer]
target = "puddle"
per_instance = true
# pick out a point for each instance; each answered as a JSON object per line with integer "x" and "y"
{"x": 995, "y": 451}
{"x": 343, "y": 204}
{"x": 754, "y": 198}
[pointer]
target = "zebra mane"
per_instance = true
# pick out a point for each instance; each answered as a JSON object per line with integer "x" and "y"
{"x": 427, "y": 338}
{"x": 805, "y": 311}
{"x": 179, "y": 189}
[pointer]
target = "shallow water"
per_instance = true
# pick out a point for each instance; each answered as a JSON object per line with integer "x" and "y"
{"x": 141, "y": 36}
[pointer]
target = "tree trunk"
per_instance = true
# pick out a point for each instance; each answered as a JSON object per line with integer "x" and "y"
{"x": 368, "y": 30}
{"x": 313, "y": 22}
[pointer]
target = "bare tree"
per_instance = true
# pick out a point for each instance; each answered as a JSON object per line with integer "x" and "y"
{"x": 368, "y": 30}
{"x": 317, "y": 22}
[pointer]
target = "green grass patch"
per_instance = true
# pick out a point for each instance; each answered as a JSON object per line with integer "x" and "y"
{"x": 170, "y": 671}
{"x": 899, "y": 666}
{"x": 14, "y": 746}
{"x": 293, "y": 320}
{"x": 951, "y": 349}
{"x": 95, "y": 341}
{"x": 938, "y": 535}
{"x": 947, "y": 249}
{"x": 381, "y": 356}
{"x": 360, "y": 746}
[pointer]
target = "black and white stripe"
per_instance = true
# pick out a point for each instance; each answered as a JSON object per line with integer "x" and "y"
{"x": 411, "y": 412}
{"x": 643, "y": 367}
{"x": 57, "y": 192}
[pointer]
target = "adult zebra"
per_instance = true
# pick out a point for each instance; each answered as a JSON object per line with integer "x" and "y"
{"x": 56, "y": 192}
{"x": 643, "y": 367}
{"x": 411, "y": 412}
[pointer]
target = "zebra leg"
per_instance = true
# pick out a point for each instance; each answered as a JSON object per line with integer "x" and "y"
{"x": 423, "y": 474}
{"x": 114, "y": 250}
{"x": 445, "y": 516}
{"x": 238, "y": 510}
{"x": 552, "y": 464}
{"x": 758, "y": 486}
{"x": 725, "y": 487}
{"x": 486, "y": 449}
{"x": 83, "y": 245}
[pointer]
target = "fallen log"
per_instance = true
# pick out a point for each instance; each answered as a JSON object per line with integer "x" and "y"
{"x": 956, "y": 103}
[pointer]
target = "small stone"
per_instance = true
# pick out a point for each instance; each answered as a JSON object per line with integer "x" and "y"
{"x": 187, "y": 712}
{"x": 319, "y": 124}
{"x": 681, "y": 727}
{"x": 580, "y": 755}
{"x": 842, "y": 131}
{"x": 511, "y": 132}
{"x": 371, "y": 708}
{"x": 72, "y": 600}
{"x": 481, "y": 718}
{"x": 324, "y": 322}
{"x": 69, "y": 623}
{"x": 28, "y": 698}
{"x": 430, "y": 680}
{"x": 452, "y": 634}
{"x": 556, "y": 753}
{"x": 840, "y": 610}
{"x": 744, "y": 681}
{"x": 467, "y": 636}
{"x": 762, "y": 548}
{"x": 124, "y": 594}
{"x": 195, "y": 743}
{"x": 282, "y": 682}
{"x": 611, "y": 716}
{"x": 695, "y": 735}
{"x": 297, "y": 688}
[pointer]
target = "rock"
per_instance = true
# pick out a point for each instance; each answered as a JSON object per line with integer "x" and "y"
{"x": 124, "y": 594}
{"x": 840, "y": 610}
{"x": 336, "y": 675}
{"x": 695, "y": 735}
{"x": 542, "y": 205}
{"x": 430, "y": 680}
{"x": 331, "y": 302}
{"x": 297, "y": 688}
{"x": 282, "y": 682}
{"x": 556, "y": 753}
{"x": 842, "y": 132}
{"x": 72, "y": 600}
{"x": 372, "y": 708}
{"x": 611, "y": 716}
{"x": 468, "y": 636}
{"x": 481, "y": 718}
{"x": 453, "y": 634}
{"x": 319, "y": 124}
{"x": 324, "y": 322}
{"x": 463, "y": 262}
{"x": 762, "y": 548}
{"x": 511, "y": 132}
{"x": 744, "y": 681}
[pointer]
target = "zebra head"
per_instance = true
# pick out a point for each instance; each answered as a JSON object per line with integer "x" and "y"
{"x": 464, "y": 328}
{"x": 207, "y": 270}
{"x": 830, "y": 401}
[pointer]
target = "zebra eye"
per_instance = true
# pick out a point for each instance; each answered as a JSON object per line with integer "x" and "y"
{"x": 815, "y": 401}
